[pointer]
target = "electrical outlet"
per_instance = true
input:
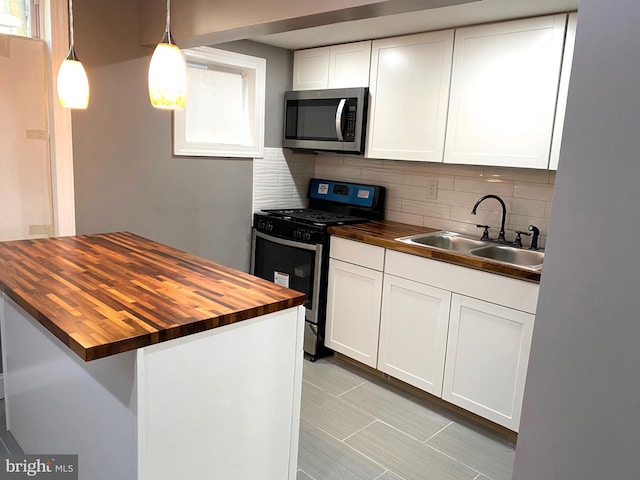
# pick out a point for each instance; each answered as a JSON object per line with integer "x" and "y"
{"x": 432, "y": 189}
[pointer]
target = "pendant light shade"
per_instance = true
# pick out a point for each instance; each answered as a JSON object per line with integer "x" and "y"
{"x": 168, "y": 73}
{"x": 73, "y": 85}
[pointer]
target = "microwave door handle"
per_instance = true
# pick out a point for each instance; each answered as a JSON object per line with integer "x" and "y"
{"x": 339, "y": 119}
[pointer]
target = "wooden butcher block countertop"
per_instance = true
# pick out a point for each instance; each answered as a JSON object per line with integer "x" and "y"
{"x": 109, "y": 293}
{"x": 384, "y": 234}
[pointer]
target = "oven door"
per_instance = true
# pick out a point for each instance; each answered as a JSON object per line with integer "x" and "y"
{"x": 292, "y": 264}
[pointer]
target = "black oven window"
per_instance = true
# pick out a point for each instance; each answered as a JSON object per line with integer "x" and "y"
{"x": 289, "y": 266}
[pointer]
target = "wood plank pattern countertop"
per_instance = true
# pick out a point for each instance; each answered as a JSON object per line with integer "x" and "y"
{"x": 384, "y": 234}
{"x": 109, "y": 293}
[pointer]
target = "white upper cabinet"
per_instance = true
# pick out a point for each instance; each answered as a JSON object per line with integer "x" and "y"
{"x": 337, "y": 66}
{"x": 567, "y": 62}
{"x": 504, "y": 89}
{"x": 349, "y": 65}
{"x": 311, "y": 68}
{"x": 409, "y": 86}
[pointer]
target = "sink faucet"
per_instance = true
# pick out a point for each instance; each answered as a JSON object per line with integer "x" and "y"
{"x": 504, "y": 213}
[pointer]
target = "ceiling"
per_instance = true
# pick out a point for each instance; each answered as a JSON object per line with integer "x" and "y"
{"x": 413, "y": 22}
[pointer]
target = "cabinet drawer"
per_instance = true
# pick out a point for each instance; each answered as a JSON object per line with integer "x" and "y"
{"x": 512, "y": 293}
{"x": 358, "y": 253}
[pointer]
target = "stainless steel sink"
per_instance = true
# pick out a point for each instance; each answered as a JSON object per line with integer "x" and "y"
{"x": 443, "y": 240}
{"x": 456, "y": 242}
{"x": 531, "y": 259}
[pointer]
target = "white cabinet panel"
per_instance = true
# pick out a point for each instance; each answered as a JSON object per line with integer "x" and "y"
{"x": 349, "y": 65}
{"x": 409, "y": 86}
{"x": 337, "y": 66}
{"x": 353, "y": 311}
{"x": 363, "y": 254}
{"x": 487, "y": 357}
{"x": 310, "y": 68}
{"x": 563, "y": 92}
{"x": 504, "y": 87}
{"x": 413, "y": 333}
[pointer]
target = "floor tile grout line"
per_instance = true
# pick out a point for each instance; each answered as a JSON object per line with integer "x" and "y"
{"x": 359, "y": 430}
{"x": 311, "y": 476}
{"x": 353, "y": 448}
{"x": 392, "y": 472}
{"x": 352, "y": 388}
{"x": 456, "y": 460}
{"x": 447, "y": 425}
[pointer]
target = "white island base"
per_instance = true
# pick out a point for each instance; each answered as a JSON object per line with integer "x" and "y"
{"x": 222, "y": 404}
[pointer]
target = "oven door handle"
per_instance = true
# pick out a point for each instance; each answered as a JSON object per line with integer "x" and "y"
{"x": 339, "y": 119}
{"x": 289, "y": 243}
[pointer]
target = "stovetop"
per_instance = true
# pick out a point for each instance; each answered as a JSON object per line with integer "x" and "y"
{"x": 330, "y": 203}
{"x": 314, "y": 216}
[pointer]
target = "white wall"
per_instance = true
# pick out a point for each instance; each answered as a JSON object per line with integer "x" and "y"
{"x": 581, "y": 413}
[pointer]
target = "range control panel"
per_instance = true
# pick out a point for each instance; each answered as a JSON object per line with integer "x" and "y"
{"x": 343, "y": 192}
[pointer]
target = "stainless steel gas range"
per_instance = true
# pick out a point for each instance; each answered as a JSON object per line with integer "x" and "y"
{"x": 291, "y": 246}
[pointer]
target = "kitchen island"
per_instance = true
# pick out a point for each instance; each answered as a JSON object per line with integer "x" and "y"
{"x": 148, "y": 362}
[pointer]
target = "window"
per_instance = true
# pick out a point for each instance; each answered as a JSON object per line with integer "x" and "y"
{"x": 17, "y": 16}
{"x": 224, "y": 116}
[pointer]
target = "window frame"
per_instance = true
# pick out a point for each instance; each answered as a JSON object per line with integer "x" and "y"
{"x": 254, "y": 70}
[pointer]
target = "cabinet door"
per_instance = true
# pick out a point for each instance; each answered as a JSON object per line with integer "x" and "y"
{"x": 563, "y": 91}
{"x": 413, "y": 333}
{"x": 504, "y": 87}
{"x": 409, "y": 86}
{"x": 349, "y": 65}
{"x": 353, "y": 311}
{"x": 487, "y": 357}
{"x": 311, "y": 68}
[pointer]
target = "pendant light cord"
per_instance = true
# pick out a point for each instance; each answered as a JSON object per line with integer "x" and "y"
{"x": 167, "y": 32}
{"x": 71, "y": 39}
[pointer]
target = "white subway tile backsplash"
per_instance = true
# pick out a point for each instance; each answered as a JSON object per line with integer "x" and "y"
{"x": 329, "y": 159}
{"x": 339, "y": 172}
{"x": 382, "y": 176}
{"x": 459, "y": 199}
{"x": 531, "y": 208}
{"x": 533, "y": 191}
{"x": 461, "y": 170}
{"x": 427, "y": 209}
{"x": 394, "y": 204}
{"x": 406, "y": 191}
{"x": 362, "y": 162}
{"x": 421, "y": 167}
{"x": 521, "y": 174}
{"x": 483, "y": 186}
{"x": 281, "y": 179}
{"x": 405, "y": 218}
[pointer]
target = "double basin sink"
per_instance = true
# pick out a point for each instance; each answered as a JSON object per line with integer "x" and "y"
{"x": 501, "y": 253}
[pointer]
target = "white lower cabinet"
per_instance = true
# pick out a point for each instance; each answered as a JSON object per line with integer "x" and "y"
{"x": 455, "y": 332}
{"x": 413, "y": 332}
{"x": 353, "y": 301}
{"x": 487, "y": 357}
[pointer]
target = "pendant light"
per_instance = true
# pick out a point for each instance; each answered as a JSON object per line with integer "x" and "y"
{"x": 168, "y": 73}
{"x": 73, "y": 85}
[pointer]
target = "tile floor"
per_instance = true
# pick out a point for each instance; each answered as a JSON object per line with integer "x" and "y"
{"x": 356, "y": 426}
{"x": 7, "y": 443}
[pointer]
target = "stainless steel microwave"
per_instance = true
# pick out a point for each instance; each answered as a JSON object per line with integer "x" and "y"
{"x": 331, "y": 120}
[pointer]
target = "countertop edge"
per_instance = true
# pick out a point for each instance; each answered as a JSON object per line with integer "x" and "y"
{"x": 383, "y": 233}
